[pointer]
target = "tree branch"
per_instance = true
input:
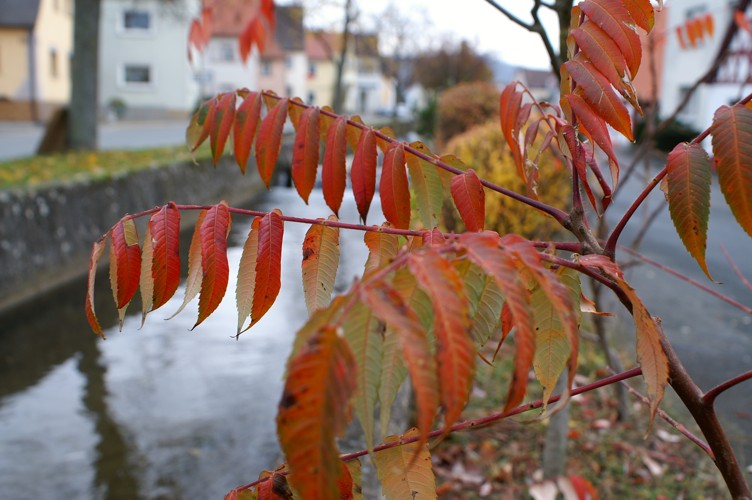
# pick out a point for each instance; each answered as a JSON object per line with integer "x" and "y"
{"x": 482, "y": 421}
{"x": 516, "y": 20}
{"x": 709, "y": 397}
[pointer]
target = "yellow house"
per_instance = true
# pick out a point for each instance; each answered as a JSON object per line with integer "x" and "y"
{"x": 36, "y": 40}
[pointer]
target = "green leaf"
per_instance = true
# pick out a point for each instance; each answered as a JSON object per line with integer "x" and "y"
{"x": 365, "y": 334}
{"x": 426, "y": 184}
{"x": 688, "y": 178}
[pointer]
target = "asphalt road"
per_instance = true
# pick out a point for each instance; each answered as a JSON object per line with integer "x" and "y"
{"x": 21, "y": 139}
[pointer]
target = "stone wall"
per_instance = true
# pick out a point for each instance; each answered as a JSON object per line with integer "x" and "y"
{"x": 46, "y": 234}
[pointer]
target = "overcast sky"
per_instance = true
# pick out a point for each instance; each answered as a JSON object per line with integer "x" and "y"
{"x": 474, "y": 20}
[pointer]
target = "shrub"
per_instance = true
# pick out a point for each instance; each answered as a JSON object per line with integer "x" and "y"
{"x": 483, "y": 148}
{"x": 464, "y": 106}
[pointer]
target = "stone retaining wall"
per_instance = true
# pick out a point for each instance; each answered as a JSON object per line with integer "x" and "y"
{"x": 46, "y": 234}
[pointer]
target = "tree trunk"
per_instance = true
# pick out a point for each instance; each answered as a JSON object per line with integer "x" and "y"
{"x": 339, "y": 91}
{"x": 82, "y": 130}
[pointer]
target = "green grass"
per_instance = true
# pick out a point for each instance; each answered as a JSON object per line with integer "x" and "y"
{"x": 37, "y": 171}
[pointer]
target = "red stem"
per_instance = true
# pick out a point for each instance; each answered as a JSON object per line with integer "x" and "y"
{"x": 482, "y": 421}
{"x": 709, "y": 397}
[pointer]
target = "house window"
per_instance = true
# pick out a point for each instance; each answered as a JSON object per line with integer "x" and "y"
{"x": 137, "y": 20}
{"x": 311, "y": 97}
{"x": 54, "y": 70}
{"x": 226, "y": 52}
{"x": 311, "y": 69}
{"x": 137, "y": 74}
{"x": 266, "y": 68}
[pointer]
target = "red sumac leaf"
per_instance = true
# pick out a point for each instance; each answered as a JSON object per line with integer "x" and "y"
{"x": 732, "y": 147}
{"x": 313, "y": 411}
{"x": 268, "y": 264}
{"x": 470, "y": 199}
{"x": 97, "y": 249}
{"x": 198, "y": 129}
{"x": 334, "y": 172}
{"x": 391, "y": 308}
{"x": 600, "y": 95}
{"x": 305, "y": 153}
{"x": 125, "y": 255}
{"x": 688, "y": 178}
{"x": 455, "y": 351}
{"x": 214, "y": 265}
{"x": 613, "y": 18}
{"x": 244, "y": 131}
{"x": 642, "y": 12}
{"x": 223, "y": 118}
{"x": 363, "y": 172}
{"x": 509, "y": 110}
{"x": 602, "y": 51}
{"x": 193, "y": 280}
{"x": 269, "y": 140}
{"x": 394, "y": 189}
{"x": 165, "y": 268}
{"x": 596, "y": 129}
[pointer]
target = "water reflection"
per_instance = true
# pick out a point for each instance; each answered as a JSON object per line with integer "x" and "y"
{"x": 161, "y": 412}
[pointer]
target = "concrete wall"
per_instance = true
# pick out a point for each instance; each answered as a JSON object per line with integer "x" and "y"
{"x": 46, "y": 235}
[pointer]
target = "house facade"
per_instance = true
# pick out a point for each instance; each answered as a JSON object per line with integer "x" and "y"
{"x": 143, "y": 64}
{"x": 283, "y": 65}
{"x": 690, "y": 56}
{"x": 36, "y": 40}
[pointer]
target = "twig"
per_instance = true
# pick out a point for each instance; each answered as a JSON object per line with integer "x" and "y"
{"x": 689, "y": 280}
{"x": 735, "y": 268}
{"x": 709, "y": 397}
{"x": 676, "y": 425}
{"x": 482, "y": 421}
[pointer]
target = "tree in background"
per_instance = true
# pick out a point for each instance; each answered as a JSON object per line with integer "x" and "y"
{"x": 82, "y": 117}
{"x": 451, "y": 64}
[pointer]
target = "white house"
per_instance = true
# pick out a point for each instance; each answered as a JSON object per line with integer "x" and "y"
{"x": 143, "y": 61}
{"x": 688, "y": 57}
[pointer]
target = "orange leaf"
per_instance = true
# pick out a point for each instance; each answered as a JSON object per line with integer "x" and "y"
{"x": 394, "y": 189}
{"x": 314, "y": 410}
{"x": 253, "y": 33}
{"x": 455, "y": 351}
{"x": 650, "y": 354}
{"x": 732, "y": 147}
{"x": 382, "y": 247}
{"x": 483, "y": 250}
{"x": 614, "y": 18}
{"x": 391, "y": 308}
{"x": 223, "y": 118}
{"x": 267, "y": 10}
{"x": 214, "y": 266}
{"x": 470, "y": 199}
{"x": 305, "y": 153}
{"x": 602, "y": 51}
{"x": 125, "y": 257}
{"x": 642, "y": 12}
{"x": 334, "y": 172}
{"x": 165, "y": 269}
{"x": 97, "y": 249}
{"x": 246, "y": 120}
{"x": 600, "y": 95}
{"x": 688, "y": 177}
{"x": 363, "y": 172}
{"x": 269, "y": 140}
{"x": 198, "y": 129}
{"x": 268, "y": 264}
